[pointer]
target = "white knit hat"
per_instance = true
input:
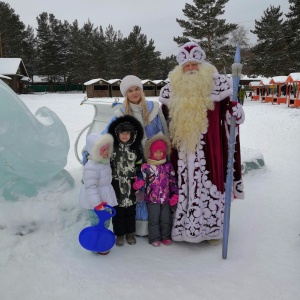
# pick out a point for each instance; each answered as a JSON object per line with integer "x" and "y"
{"x": 190, "y": 52}
{"x": 128, "y": 82}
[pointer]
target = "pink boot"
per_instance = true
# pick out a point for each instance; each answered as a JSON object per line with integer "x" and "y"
{"x": 167, "y": 242}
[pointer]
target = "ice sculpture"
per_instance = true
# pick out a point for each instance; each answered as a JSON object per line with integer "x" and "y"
{"x": 33, "y": 149}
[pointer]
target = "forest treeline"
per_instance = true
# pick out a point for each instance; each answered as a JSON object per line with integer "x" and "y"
{"x": 59, "y": 48}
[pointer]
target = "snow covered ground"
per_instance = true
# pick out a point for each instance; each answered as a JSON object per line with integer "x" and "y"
{"x": 40, "y": 257}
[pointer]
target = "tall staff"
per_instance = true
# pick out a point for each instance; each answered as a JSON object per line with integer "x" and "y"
{"x": 236, "y": 74}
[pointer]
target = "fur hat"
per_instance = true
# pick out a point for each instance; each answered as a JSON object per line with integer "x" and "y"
{"x": 128, "y": 82}
{"x": 190, "y": 52}
{"x": 157, "y": 142}
{"x": 125, "y": 123}
{"x": 125, "y": 127}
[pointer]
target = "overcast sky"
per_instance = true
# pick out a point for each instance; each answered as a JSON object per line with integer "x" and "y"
{"x": 157, "y": 18}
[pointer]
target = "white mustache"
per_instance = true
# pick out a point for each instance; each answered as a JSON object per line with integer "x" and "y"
{"x": 191, "y": 72}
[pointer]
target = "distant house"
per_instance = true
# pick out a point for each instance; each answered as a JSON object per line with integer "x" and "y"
{"x": 114, "y": 87}
{"x": 148, "y": 87}
{"x": 158, "y": 86}
{"x": 99, "y": 87}
{"x": 96, "y": 88}
{"x": 255, "y": 87}
{"x": 245, "y": 79}
{"x": 14, "y": 69}
{"x": 4, "y": 78}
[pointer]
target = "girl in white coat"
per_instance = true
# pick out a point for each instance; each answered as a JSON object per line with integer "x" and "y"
{"x": 97, "y": 189}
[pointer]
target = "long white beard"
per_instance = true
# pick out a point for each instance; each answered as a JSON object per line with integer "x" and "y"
{"x": 190, "y": 102}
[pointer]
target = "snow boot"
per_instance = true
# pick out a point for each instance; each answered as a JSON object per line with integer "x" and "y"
{"x": 130, "y": 238}
{"x": 120, "y": 241}
{"x": 167, "y": 242}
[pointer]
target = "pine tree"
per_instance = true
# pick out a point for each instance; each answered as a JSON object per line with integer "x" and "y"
{"x": 151, "y": 68}
{"x": 85, "y": 55}
{"x": 292, "y": 26}
{"x": 43, "y": 45}
{"x": 271, "y": 51}
{"x": 113, "y": 51}
{"x": 12, "y": 32}
{"x": 134, "y": 53}
{"x": 91, "y": 55}
{"x": 75, "y": 58}
{"x": 62, "y": 34}
{"x": 205, "y": 26}
{"x": 99, "y": 53}
{"x": 166, "y": 65}
{"x": 49, "y": 47}
{"x": 29, "y": 51}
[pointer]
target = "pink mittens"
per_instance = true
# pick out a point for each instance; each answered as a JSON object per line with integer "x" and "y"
{"x": 138, "y": 184}
{"x": 173, "y": 200}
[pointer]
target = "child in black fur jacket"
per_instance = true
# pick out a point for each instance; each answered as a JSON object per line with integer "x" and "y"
{"x": 126, "y": 162}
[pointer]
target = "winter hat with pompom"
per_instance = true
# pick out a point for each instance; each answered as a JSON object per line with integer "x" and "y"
{"x": 128, "y": 82}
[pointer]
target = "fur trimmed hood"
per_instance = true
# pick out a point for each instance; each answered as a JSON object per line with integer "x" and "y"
{"x": 95, "y": 141}
{"x": 149, "y": 142}
{"x": 138, "y": 131}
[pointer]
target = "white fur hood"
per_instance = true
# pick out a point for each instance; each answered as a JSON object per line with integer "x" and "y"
{"x": 95, "y": 141}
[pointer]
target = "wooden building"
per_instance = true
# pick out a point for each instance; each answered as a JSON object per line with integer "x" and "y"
{"x": 255, "y": 87}
{"x": 4, "y": 78}
{"x": 266, "y": 88}
{"x": 159, "y": 84}
{"x": 245, "y": 80}
{"x": 97, "y": 88}
{"x": 14, "y": 68}
{"x": 293, "y": 89}
{"x": 280, "y": 97}
{"x": 149, "y": 88}
{"x": 114, "y": 88}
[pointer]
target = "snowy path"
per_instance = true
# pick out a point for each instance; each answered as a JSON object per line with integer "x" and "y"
{"x": 46, "y": 262}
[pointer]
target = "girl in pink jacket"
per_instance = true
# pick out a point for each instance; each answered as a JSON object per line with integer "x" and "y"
{"x": 161, "y": 189}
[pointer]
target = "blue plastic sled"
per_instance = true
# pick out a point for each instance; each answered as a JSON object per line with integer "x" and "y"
{"x": 98, "y": 238}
